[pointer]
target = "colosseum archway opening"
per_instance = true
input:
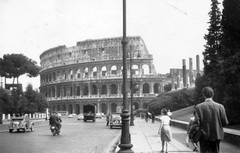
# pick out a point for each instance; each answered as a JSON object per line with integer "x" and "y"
{"x": 113, "y": 108}
{"x": 70, "y": 109}
{"x": 104, "y": 108}
{"x": 77, "y": 109}
{"x": 58, "y": 108}
{"x": 53, "y": 108}
{"x": 136, "y": 105}
{"x": 156, "y": 88}
{"x": 113, "y": 89}
{"x": 145, "y": 69}
{"x": 64, "y": 108}
{"x": 146, "y": 88}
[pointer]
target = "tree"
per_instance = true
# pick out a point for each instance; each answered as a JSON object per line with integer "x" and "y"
{"x": 15, "y": 65}
{"x": 212, "y": 61}
{"x": 230, "y": 55}
{"x": 167, "y": 87}
{"x": 30, "y": 95}
{"x": 36, "y": 101}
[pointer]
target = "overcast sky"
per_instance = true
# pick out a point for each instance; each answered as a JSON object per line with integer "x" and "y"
{"x": 171, "y": 29}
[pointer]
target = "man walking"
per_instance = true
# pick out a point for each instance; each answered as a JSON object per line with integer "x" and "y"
{"x": 211, "y": 117}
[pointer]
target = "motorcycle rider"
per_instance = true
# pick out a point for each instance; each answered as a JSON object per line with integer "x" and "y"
{"x": 55, "y": 120}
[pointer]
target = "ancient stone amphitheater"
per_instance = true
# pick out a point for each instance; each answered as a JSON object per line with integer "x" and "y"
{"x": 91, "y": 73}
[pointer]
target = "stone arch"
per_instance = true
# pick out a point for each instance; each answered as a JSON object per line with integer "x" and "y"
{"x": 94, "y": 71}
{"x": 70, "y": 109}
{"x": 136, "y": 105}
{"x": 104, "y": 90}
{"x": 78, "y": 90}
{"x": 145, "y": 69}
{"x": 146, "y": 88}
{"x": 113, "y": 107}
{"x": 64, "y": 108}
{"x": 86, "y": 72}
{"x": 135, "y": 69}
{"x": 77, "y": 109}
{"x": 104, "y": 108}
{"x": 104, "y": 71}
{"x": 113, "y": 89}
{"x": 94, "y": 89}
{"x": 78, "y": 74}
{"x": 85, "y": 90}
{"x": 58, "y": 108}
{"x": 114, "y": 70}
{"x": 53, "y": 108}
{"x": 70, "y": 74}
{"x": 156, "y": 88}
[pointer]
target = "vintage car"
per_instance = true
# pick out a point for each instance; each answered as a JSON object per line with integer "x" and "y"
{"x": 115, "y": 120}
{"x": 80, "y": 117}
{"x": 21, "y": 123}
{"x": 98, "y": 115}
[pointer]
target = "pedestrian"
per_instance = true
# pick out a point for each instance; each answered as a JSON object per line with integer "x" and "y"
{"x": 146, "y": 116}
{"x": 108, "y": 117}
{"x": 191, "y": 127}
{"x": 165, "y": 129}
{"x": 211, "y": 117}
{"x": 153, "y": 117}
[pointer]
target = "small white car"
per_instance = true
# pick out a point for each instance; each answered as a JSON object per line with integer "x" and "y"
{"x": 21, "y": 123}
{"x": 98, "y": 115}
{"x": 80, "y": 117}
{"x": 70, "y": 116}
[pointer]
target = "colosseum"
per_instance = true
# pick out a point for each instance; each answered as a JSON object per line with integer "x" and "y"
{"x": 91, "y": 73}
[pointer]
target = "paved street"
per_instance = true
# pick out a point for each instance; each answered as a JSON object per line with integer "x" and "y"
{"x": 76, "y": 136}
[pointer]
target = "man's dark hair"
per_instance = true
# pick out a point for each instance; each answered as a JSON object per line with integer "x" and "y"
{"x": 164, "y": 111}
{"x": 207, "y": 92}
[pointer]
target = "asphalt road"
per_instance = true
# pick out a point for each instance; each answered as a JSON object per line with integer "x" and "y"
{"x": 76, "y": 137}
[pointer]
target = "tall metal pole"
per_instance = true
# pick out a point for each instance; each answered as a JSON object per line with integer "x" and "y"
{"x": 125, "y": 144}
{"x": 131, "y": 84}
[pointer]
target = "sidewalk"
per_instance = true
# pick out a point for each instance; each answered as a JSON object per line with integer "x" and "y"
{"x": 145, "y": 139}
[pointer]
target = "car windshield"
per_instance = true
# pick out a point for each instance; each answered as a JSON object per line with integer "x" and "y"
{"x": 117, "y": 115}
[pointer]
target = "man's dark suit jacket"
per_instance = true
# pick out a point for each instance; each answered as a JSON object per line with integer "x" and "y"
{"x": 212, "y": 118}
{"x": 53, "y": 120}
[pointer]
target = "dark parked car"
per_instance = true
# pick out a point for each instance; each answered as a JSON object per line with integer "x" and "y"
{"x": 115, "y": 120}
{"x": 21, "y": 123}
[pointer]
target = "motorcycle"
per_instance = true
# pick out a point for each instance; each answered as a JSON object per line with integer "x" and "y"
{"x": 54, "y": 130}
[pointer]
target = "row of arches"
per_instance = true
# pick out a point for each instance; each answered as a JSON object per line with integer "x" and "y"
{"x": 88, "y": 89}
{"x": 77, "y": 108}
{"x": 93, "y": 72}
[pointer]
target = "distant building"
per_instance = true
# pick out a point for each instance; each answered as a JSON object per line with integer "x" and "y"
{"x": 91, "y": 73}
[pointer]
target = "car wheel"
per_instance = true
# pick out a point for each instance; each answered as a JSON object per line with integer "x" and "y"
{"x": 32, "y": 128}
{"x": 25, "y": 129}
{"x": 18, "y": 130}
{"x": 10, "y": 130}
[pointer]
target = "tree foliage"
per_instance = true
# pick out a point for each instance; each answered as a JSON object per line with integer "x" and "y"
{"x": 221, "y": 58}
{"x": 172, "y": 100}
{"x": 15, "y": 65}
{"x": 29, "y": 102}
{"x": 167, "y": 87}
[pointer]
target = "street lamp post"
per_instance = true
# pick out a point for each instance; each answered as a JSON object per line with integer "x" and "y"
{"x": 131, "y": 87}
{"x": 125, "y": 143}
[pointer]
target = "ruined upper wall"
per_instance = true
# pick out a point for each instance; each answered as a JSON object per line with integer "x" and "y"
{"x": 92, "y": 50}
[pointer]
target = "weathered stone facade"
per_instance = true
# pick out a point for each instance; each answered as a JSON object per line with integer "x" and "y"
{"x": 91, "y": 73}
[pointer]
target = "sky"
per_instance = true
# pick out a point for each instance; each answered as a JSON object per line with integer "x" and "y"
{"x": 172, "y": 30}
